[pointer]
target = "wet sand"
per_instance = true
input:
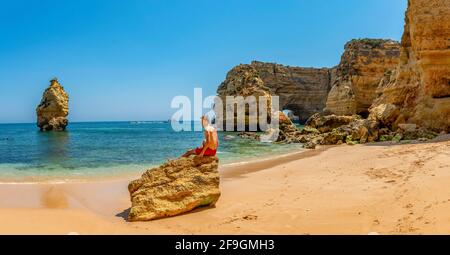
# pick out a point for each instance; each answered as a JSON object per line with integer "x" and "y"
{"x": 383, "y": 188}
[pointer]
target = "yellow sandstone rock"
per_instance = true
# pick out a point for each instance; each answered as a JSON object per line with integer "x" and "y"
{"x": 363, "y": 65}
{"x": 420, "y": 86}
{"x": 176, "y": 187}
{"x": 54, "y": 107}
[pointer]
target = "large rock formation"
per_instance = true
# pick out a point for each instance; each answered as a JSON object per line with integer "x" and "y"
{"x": 363, "y": 64}
{"x": 54, "y": 107}
{"x": 419, "y": 89}
{"x": 244, "y": 81}
{"x": 393, "y": 85}
{"x": 333, "y": 129}
{"x": 327, "y": 123}
{"x": 176, "y": 187}
{"x": 302, "y": 90}
{"x": 287, "y": 130}
{"x": 306, "y": 91}
{"x": 414, "y": 99}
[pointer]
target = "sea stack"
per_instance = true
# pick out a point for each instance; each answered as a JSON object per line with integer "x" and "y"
{"x": 54, "y": 107}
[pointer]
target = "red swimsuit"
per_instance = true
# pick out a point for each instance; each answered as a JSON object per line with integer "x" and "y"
{"x": 208, "y": 152}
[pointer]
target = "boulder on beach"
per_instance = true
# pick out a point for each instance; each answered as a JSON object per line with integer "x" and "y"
{"x": 53, "y": 109}
{"x": 176, "y": 187}
{"x": 287, "y": 130}
{"x": 326, "y": 123}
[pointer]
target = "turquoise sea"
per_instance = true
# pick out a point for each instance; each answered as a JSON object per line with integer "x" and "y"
{"x": 108, "y": 149}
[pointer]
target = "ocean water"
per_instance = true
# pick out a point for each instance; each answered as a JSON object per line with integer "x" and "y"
{"x": 108, "y": 149}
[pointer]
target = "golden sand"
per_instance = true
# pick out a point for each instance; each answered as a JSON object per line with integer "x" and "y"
{"x": 388, "y": 189}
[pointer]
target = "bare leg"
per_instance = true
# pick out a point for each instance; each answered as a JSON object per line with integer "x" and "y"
{"x": 188, "y": 153}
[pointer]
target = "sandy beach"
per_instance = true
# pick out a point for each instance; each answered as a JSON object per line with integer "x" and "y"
{"x": 383, "y": 188}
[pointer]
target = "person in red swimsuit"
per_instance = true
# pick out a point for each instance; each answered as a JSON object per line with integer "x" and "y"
{"x": 210, "y": 143}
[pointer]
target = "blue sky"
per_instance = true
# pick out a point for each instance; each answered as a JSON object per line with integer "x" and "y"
{"x": 126, "y": 60}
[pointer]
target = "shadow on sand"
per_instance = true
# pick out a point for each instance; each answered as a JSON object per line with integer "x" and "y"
{"x": 124, "y": 214}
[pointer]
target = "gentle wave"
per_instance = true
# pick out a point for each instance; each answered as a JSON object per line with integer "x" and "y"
{"x": 107, "y": 150}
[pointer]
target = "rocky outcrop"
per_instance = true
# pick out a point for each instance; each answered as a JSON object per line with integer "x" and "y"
{"x": 363, "y": 65}
{"x": 348, "y": 89}
{"x": 396, "y": 86}
{"x": 302, "y": 90}
{"x": 329, "y": 122}
{"x": 176, "y": 187}
{"x": 54, "y": 107}
{"x": 332, "y": 129}
{"x": 419, "y": 89}
{"x": 288, "y": 130}
{"x": 414, "y": 98}
{"x": 244, "y": 81}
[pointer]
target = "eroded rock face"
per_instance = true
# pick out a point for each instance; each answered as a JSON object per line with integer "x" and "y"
{"x": 302, "y": 90}
{"x": 288, "y": 132}
{"x": 326, "y": 123}
{"x": 176, "y": 187}
{"x": 364, "y": 63}
{"x": 54, "y": 107}
{"x": 244, "y": 80}
{"x": 420, "y": 86}
{"x": 384, "y": 113}
{"x": 333, "y": 129}
{"x": 414, "y": 99}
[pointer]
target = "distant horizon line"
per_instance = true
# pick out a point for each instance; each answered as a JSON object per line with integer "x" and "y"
{"x": 95, "y": 121}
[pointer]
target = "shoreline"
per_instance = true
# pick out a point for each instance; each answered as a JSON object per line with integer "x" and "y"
{"x": 234, "y": 170}
{"x": 292, "y": 153}
{"x": 403, "y": 188}
{"x": 58, "y": 194}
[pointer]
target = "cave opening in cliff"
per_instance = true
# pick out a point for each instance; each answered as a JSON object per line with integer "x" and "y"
{"x": 364, "y": 114}
{"x": 291, "y": 115}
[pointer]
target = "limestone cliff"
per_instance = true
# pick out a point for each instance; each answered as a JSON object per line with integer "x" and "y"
{"x": 53, "y": 109}
{"x": 176, "y": 187}
{"x": 244, "y": 80}
{"x": 419, "y": 91}
{"x": 364, "y": 63}
{"x": 302, "y": 90}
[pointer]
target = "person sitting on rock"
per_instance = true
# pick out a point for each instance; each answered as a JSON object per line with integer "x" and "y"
{"x": 210, "y": 143}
